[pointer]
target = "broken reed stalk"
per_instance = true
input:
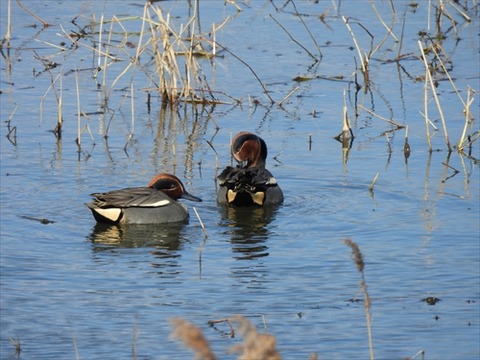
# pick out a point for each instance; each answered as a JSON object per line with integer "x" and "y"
{"x": 360, "y": 264}
{"x": 364, "y": 60}
{"x": 8, "y": 34}
{"x": 265, "y": 91}
{"x": 132, "y": 126}
{"x": 308, "y": 31}
{"x": 12, "y": 130}
{"x": 119, "y": 76}
{"x": 227, "y": 320}
{"x": 44, "y": 23}
{"x": 17, "y": 345}
{"x": 374, "y": 181}
{"x": 466, "y": 104}
{"x": 468, "y": 118}
{"x": 388, "y": 28}
{"x": 346, "y": 136}
{"x": 77, "y": 43}
{"x": 388, "y": 143}
{"x": 293, "y": 39}
{"x": 406, "y": 145}
{"x": 234, "y": 4}
{"x": 100, "y": 33}
{"x": 296, "y": 88}
{"x": 390, "y": 121}
{"x": 425, "y": 115}
{"x": 201, "y": 222}
{"x": 435, "y": 96}
{"x": 58, "y": 129}
{"x": 79, "y": 133}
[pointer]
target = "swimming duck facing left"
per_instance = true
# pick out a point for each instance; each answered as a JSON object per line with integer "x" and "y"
{"x": 154, "y": 204}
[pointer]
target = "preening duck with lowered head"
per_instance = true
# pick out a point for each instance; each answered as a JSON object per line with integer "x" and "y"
{"x": 249, "y": 183}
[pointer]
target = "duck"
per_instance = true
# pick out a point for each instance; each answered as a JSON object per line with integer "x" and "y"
{"x": 249, "y": 183}
{"x": 155, "y": 203}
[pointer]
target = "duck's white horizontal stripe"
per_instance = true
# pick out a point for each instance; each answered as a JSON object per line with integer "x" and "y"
{"x": 155, "y": 204}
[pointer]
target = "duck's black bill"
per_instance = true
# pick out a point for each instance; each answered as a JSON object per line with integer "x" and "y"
{"x": 191, "y": 197}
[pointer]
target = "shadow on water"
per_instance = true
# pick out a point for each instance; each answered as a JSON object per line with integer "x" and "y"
{"x": 248, "y": 230}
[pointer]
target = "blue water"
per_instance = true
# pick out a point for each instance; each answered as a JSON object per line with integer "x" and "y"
{"x": 71, "y": 289}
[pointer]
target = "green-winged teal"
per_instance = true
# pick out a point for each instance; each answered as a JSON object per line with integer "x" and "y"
{"x": 249, "y": 183}
{"x": 154, "y": 204}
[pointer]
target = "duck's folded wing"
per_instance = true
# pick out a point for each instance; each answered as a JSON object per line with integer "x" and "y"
{"x": 131, "y": 197}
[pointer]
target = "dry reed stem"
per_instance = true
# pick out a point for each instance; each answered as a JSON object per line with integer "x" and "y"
{"x": 388, "y": 28}
{"x": 201, "y": 222}
{"x": 390, "y": 121}
{"x": 193, "y": 338}
{"x": 60, "y": 107}
{"x": 468, "y": 119}
{"x": 100, "y": 33}
{"x": 17, "y": 345}
{"x": 420, "y": 352}
{"x": 79, "y": 134}
{"x": 425, "y": 115}
{"x": 364, "y": 68}
{"x": 314, "y": 40}
{"x": 8, "y": 34}
{"x": 44, "y": 23}
{"x": 462, "y": 13}
{"x": 265, "y": 91}
{"x": 374, "y": 179}
{"x": 435, "y": 96}
{"x": 85, "y": 45}
{"x": 296, "y": 88}
{"x": 346, "y": 136}
{"x": 406, "y": 145}
{"x": 234, "y": 4}
{"x": 360, "y": 264}
{"x": 132, "y": 126}
{"x": 227, "y": 320}
{"x": 12, "y": 130}
{"x": 51, "y": 87}
{"x": 293, "y": 39}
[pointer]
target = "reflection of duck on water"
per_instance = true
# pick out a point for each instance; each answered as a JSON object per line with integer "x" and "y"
{"x": 154, "y": 204}
{"x": 162, "y": 241}
{"x": 105, "y": 236}
{"x": 248, "y": 229}
{"x": 249, "y": 183}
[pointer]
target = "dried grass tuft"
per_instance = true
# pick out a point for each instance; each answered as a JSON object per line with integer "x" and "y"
{"x": 255, "y": 345}
{"x": 193, "y": 338}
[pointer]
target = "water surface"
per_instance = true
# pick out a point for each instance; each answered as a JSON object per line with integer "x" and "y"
{"x": 71, "y": 288}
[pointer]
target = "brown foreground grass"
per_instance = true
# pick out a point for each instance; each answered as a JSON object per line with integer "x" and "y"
{"x": 254, "y": 346}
